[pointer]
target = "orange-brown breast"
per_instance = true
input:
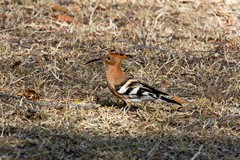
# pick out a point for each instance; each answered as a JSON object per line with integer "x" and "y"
{"x": 115, "y": 76}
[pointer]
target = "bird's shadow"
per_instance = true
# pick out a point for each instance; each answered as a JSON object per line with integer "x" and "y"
{"x": 120, "y": 105}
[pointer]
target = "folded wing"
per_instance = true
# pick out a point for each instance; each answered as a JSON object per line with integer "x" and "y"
{"x": 134, "y": 91}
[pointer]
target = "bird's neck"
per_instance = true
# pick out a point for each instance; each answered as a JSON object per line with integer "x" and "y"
{"x": 115, "y": 75}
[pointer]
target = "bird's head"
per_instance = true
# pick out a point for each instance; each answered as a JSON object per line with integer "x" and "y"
{"x": 110, "y": 58}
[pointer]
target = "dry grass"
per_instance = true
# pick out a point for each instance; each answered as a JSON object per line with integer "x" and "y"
{"x": 187, "y": 48}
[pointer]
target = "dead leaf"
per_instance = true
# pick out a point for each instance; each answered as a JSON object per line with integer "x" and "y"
{"x": 57, "y": 7}
{"x": 31, "y": 94}
{"x": 65, "y": 18}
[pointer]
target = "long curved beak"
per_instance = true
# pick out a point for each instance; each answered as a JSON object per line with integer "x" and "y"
{"x": 93, "y": 60}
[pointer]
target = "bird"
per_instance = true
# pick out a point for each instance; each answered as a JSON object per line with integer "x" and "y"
{"x": 125, "y": 86}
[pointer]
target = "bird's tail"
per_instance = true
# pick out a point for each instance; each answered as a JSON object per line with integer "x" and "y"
{"x": 173, "y": 99}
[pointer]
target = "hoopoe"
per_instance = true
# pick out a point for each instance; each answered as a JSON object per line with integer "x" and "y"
{"x": 126, "y": 87}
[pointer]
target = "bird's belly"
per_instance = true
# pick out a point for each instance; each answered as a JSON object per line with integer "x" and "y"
{"x": 135, "y": 98}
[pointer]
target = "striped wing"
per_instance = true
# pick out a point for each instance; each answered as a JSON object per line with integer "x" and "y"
{"x": 134, "y": 91}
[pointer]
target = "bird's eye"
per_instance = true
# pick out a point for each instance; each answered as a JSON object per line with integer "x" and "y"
{"x": 108, "y": 58}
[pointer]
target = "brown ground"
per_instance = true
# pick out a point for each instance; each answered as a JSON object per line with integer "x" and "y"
{"x": 187, "y": 48}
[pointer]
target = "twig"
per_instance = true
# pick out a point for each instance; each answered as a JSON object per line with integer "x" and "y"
{"x": 41, "y": 104}
{"x": 144, "y": 37}
{"x": 91, "y": 16}
{"x": 140, "y": 47}
{"x": 56, "y": 76}
{"x": 156, "y": 21}
{"x": 17, "y": 80}
{"x": 47, "y": 104}
{"x": 198, "y": 152}
{"x": 9, "y": 29}
{"x": 153, "y": 149}
{"x": 21, "y": 45}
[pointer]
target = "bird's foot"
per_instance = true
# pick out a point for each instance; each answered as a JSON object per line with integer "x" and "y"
{"x": 126, "y": 109}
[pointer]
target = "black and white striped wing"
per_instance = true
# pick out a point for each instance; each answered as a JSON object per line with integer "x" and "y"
{"x": 134, "y": 91}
